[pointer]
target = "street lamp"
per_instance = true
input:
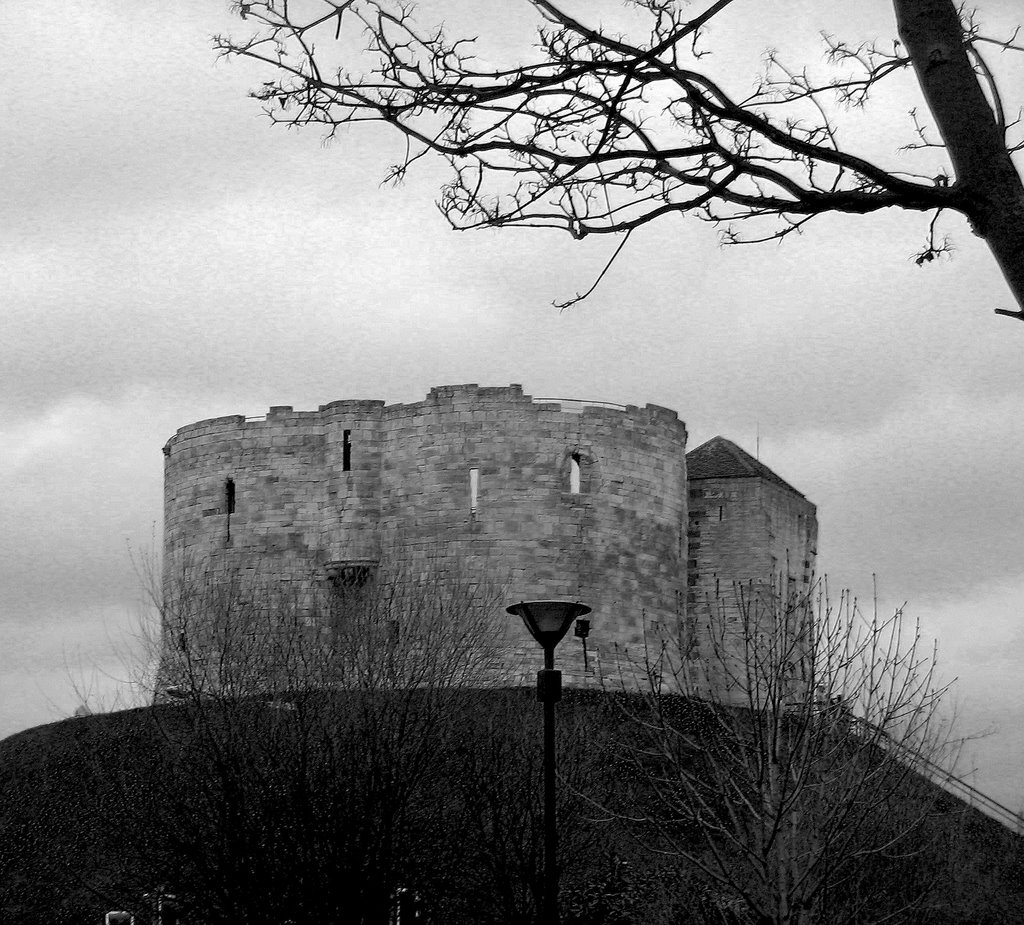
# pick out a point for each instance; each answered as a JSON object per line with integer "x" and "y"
{"x": 548, "y": 622}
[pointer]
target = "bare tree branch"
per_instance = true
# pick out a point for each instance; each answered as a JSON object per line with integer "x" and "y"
{"x": 597, "y": 133}
{"x": 797, "y": 781}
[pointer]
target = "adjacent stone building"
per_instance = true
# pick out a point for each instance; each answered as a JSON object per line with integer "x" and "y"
{"x": 540, "y": 498}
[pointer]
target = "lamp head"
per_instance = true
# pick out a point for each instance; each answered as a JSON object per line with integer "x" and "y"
{"x": 548, "y": 621}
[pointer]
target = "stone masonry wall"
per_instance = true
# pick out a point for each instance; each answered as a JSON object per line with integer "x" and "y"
{"x": 571, "y": 501}
{"x": 741, "y": 532}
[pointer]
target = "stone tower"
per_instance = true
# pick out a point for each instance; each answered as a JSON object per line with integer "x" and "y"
{"x": 747, "y": 528}
{"x": 538, "y": 498}
{"x": 542, "y": 499}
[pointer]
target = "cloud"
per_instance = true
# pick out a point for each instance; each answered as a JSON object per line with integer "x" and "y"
{"x": 52, "y": 664}
{"x": 87, "y": 490}
{"x": 926, "y": 497}
{"x": 981, "y": 641}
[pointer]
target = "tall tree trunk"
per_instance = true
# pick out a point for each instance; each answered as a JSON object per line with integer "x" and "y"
{"x": 992, "y": 192}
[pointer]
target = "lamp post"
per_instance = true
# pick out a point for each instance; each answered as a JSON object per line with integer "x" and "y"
{"x": 548, "y": 622}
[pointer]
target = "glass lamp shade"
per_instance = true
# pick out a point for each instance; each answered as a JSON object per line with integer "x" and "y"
{"x": 548, "y": 621}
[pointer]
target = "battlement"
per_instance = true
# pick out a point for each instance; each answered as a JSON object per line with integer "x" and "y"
{"x": 468, "y": 397}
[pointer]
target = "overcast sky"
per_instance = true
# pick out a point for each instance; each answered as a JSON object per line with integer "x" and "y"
{"x": 166, "y": 255}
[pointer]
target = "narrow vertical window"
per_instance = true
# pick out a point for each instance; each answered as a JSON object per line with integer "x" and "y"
{"x": 474, "y": 489}
{"x": 346, "y": 451}
{"x": 721, "y": 511}
{"x": 574, "y": 474}
{"x": 229, "y": 508}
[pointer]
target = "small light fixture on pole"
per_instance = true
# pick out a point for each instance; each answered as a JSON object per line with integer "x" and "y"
{"x": 548, "y": 622}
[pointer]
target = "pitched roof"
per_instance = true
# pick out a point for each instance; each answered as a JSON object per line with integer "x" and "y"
{"x": 722, "y": 459}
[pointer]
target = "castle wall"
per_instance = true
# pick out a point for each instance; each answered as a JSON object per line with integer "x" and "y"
{"x": 585, "y": 503}
{"x": 352, "y": 472}
{"x": 742, "y": 533}
{"x": 273, "y": 468}
{"x": 744, "y": 529}
{"x": 487, "y": 488}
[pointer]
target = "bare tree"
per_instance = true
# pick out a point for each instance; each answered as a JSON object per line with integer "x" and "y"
{"x": 795, "y": 775}
{"x": 495, "y": 871}
{"x": 231, "y": 632}
{"x": 346, "y": 748}
{"x": 336, "y": 753}
{"x": 294, "y": 769}
{"x": 599, "y": 133}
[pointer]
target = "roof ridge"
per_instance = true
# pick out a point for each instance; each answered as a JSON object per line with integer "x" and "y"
{"x": 720, "y": 457}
